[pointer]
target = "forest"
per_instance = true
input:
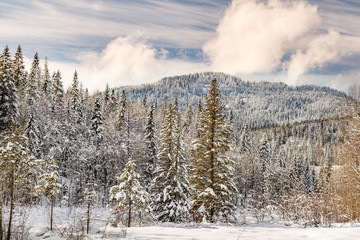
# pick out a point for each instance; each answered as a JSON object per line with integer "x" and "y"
{"x": 216, "y": 150}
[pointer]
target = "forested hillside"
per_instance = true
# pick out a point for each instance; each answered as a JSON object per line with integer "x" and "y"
{"x": 179, "y": 159}
{"x": 255, "y": 103}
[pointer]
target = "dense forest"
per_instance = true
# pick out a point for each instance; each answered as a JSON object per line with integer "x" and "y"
{"x": 256, "y": 104}
{"x": 205, "y": 147}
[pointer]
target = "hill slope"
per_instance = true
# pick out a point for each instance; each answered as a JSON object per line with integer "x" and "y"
{"x": 256, "y": 103}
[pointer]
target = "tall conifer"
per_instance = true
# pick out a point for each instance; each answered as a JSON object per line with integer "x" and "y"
{"x": 212, "y": 183}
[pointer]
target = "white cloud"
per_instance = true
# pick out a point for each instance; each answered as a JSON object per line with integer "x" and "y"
{"x": 321, "y": 50}
{"x": 125, "y": 61}
{"x": 255, "y": 37}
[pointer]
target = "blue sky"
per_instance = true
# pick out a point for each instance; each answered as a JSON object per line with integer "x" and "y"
{"x": 132, "y": 42}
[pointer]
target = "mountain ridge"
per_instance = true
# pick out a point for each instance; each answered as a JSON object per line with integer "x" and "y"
{"x": 255, "y": 103}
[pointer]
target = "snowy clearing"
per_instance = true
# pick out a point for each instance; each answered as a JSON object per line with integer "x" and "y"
{"x": 101, "y": 229}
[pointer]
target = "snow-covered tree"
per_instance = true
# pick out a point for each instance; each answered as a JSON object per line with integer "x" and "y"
{"x": 8, "y": 96}
{"x": 212, "y": 183}
{"x": 151, "y": 148}
{"x": 58, "y": 90}
{"x": 75, "y": 93}
{"x": 18, "y": 169}
{"x": 49, "y": 185}
{"x": 170, "y": 187}
{"x": 97, "y": 122}
{"x": 19, "y": 70}
{"x": 129, "y": 196}
{"x": 121, "y": 114}
{"x": 47, "y": 84}
{"x": 33, "y": 81}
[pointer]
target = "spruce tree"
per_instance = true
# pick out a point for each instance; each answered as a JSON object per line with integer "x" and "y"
{"x": 58, "y": 89}
{"x": 47, "y": 85}
{"x": 97, "y": 121}
{"x": 212, "y": 178}
{"x": 247, "y": 146}
{"x": 121, "y": 114}
{"x": 150, "y": 150}
{"x": 33, "y": 82}
{"x": 129, "y": 196}
{"x": 75, "y": 93}
{"x": 264, "y": 152}
{"x": 8, "y": 96}
{"x": 170, "y": 187}
{"x": 19, "y": 70}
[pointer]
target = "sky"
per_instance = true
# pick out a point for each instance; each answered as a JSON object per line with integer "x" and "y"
{"x": 131, "y": 42}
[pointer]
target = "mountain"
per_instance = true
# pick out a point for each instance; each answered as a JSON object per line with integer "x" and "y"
{"x": 257, "y": 103}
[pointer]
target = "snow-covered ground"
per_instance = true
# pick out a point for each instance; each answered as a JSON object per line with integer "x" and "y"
{"x": 71, "y": 221}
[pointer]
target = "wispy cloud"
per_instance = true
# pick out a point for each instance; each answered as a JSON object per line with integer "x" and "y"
{"x": 133, "y": 42}
{"x": 173, "y": 23}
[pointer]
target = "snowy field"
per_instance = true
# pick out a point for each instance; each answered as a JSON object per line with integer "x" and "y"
{"x": 67, "y": 222}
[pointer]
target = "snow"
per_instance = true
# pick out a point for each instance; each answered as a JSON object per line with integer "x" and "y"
{"x": 242, "y": 232}
{"x": 101, "y": 229}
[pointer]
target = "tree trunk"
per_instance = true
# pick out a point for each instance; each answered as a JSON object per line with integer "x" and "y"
{"x": 129, "y": 218}
{"x": 1, "y": 216}
{"x": 88, "y": 217}
{"x": 12, "y": 195}
{"x": 52, "y": 202}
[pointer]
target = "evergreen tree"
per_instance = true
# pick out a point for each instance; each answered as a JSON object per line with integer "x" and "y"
{"x": 58, "y": 89}
{"x": 264, "y": 152}
{"x": 121, "y": 114}
{"x": 8, "y": 96}
{"x": 47, "y": 85}
{"x": 247, "y": 146}
{"x": 32, "y": 132}
{"x": 19, "y": 70}
{"x": 97, "y": 121}
{"x": 129, "y": 196}
{"x": 33, "y": 82}
{"x": 212, "y": 183}
{"x": 75, "y": 94}
{"x": 170, "y": 188}
{"x": 151, "y": 151}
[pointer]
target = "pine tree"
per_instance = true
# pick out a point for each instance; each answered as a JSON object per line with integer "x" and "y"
{"x": 170, "y": 187}
{"x": 212, "y": 183}
{"x": 247, "y": 146}
{"x": 107, "y": 101}
{"x": 75, "y": 94}
{"x": 129, "y": 196}
{"x": 47, "y": 85}
{"x": 8, "y": 96}
{"x": 97, "y": 122}
{"x": 58, "y": 89}
{"x": 121, "y": 114}
{"x": 33, "y": 82}
{"x": 19, "y": 70}
{"x": 264, "y": 152}
{"x": 151, "y": 151}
